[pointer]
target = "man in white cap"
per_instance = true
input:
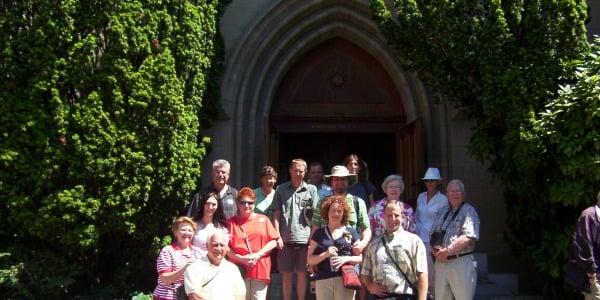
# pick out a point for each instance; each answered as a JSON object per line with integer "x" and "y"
{"x": 340, "y": 179}
{"x": 429, "y": 203}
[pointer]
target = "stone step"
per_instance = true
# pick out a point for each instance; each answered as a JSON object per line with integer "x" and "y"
{"x": 505, "y": 279}
{"x": 490, "y": 286}
{"x": 497, "y": 285}
{"x": 517, "y": 297}
{"x": 482, "y": 265}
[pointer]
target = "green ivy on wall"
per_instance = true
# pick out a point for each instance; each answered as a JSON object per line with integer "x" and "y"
{"x": 101, "y": 113}
{"x": 503, "y": 62}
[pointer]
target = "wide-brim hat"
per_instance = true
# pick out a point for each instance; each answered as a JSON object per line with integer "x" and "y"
{"x": 341, "y": 171}
{"x": 432, "y": 174}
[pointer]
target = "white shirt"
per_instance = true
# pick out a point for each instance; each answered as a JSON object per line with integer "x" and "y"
{"x": 202, "y": 234}
{"x": 426, "y": 213}
{"x": 226, "y": 285}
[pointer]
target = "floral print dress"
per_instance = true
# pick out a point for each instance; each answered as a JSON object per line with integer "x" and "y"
{"x": 378, "y": 224}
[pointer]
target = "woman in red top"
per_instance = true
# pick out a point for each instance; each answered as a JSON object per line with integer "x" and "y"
{"x": 252, "y": 238}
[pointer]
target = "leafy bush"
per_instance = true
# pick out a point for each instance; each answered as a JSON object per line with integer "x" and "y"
{"x": 101, "y": 140}
{"x": 567, "y": 132}
{"x": 502, "y": 62}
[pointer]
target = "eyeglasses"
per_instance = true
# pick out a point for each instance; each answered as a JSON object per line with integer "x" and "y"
{"x": 429, "y": 180}
{"x": 393, "y": 188}
{"x": 246, "y": 202}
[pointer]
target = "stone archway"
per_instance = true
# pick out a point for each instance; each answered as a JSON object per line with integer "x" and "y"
{"x": 257, "y": 66}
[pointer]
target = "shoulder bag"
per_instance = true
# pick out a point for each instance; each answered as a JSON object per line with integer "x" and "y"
{"x": 181, "y": 295}
{"x": 412, "y": 285}
{"x": 350, "y": 277}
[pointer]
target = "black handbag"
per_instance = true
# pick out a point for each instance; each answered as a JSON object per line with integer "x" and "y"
{"x": 180, "y": 294}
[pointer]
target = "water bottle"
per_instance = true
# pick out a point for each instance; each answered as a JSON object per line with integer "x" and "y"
{"x": 333, "y": 269}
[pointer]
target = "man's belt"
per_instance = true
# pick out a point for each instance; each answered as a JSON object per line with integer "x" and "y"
{"x": 296, "y": 245}
{"x": 397, "y": 296}
{"x": 458, "y": 255}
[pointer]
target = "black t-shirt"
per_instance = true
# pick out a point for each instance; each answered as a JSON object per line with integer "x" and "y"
{"x": 343, "y": 244}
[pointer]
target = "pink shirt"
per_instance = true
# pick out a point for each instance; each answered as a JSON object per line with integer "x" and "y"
{"x": 173, "y": 258}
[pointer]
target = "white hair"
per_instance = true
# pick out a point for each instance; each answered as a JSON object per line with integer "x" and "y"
{"x": 217, "y": 233}
{"x": 393, "y": 177}
{"x": 221, "y": 163}
{"x": 459, "y": 184}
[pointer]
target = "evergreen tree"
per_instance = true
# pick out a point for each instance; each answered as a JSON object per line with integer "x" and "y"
{"x": 100, "y": 138}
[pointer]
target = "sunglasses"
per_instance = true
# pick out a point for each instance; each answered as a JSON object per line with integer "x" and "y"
{"x": 429, "y": 180}
{"x": 243, "y": 202}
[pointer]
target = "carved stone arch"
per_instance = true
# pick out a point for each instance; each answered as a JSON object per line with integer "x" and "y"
{"x": 254, "y": 70}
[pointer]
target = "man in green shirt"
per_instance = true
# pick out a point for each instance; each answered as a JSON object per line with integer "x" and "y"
{"x": 293, "y": 203}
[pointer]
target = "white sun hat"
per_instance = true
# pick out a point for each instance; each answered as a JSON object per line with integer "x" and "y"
{"x": 432, "y": 174}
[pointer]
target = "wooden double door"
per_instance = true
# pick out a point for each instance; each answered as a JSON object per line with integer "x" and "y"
{"x": 336, "y": 100}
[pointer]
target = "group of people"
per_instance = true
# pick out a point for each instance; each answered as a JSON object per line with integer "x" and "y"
{"x": 223, "y": 248}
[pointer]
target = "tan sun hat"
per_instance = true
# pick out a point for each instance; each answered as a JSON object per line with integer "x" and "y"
{"x": 341, "y": 171}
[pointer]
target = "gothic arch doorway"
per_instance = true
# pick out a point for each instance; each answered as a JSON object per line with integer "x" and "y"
{"x": 338, "y": 99}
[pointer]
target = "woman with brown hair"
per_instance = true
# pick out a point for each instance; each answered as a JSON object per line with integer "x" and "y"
{"x": 209, "y": 219}
{"x": 265, "y": 192}
{"x": 331, "y": 247}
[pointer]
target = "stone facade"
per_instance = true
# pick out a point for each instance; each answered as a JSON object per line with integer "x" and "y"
{"x": 264, "y": 38}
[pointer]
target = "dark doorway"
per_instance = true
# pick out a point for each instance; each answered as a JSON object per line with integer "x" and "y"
{"x": 377, "y": 149}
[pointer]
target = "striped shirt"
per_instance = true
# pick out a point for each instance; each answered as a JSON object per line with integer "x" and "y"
{"x": 173, "y": 258}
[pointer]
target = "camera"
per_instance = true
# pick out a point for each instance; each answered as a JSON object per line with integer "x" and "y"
{"x": 307, "y": 212}
{"x": 437, "y": 239}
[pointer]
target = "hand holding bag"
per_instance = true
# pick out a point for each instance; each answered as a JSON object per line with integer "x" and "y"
{"x": 350, "y": 277}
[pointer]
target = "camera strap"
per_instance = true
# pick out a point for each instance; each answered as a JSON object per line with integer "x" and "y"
{"x": 453, "y": 216}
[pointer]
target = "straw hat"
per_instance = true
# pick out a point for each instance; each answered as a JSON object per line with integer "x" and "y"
{"x": 341, "y": 171}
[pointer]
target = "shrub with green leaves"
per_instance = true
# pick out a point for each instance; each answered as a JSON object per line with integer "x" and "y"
{"x": 502, "y": 62}
{"x": 567, "y": 134}
{"x": 102, "y": 107}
